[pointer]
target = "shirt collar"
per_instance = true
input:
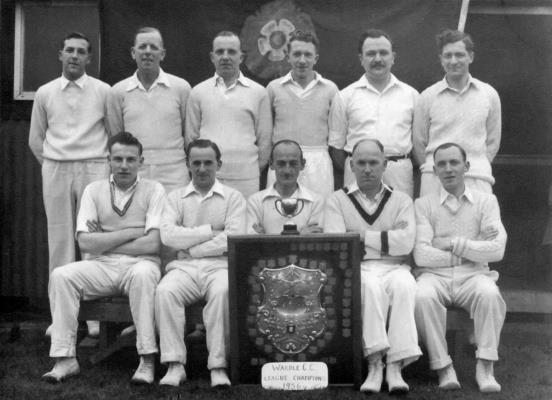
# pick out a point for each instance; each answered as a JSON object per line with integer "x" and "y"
{"x": 444, "y": 195}
{"x": 132, "y": 187}
{"x": 364, "y": 83}
{"x": 300, "y": 193}
{"x": 79, "y": 82}
{"x": 354, "y": 188}
{"x": 241, "y": 80}
{"x": 216, "y": 188}
{"x": 289, "y": 79}
{"x": 443, "y": 85}
{"x": 134, "y": 82}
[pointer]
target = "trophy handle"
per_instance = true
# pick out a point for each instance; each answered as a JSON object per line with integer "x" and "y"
{"x": 280, "y": 211}
{"x": 302, "y": 202}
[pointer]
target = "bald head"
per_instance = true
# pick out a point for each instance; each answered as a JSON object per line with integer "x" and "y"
{"x": 370, "y": 143}
{"x": 368, "y": 164}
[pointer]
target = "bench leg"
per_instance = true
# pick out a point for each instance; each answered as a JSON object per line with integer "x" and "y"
{"x": 109, "y": 343}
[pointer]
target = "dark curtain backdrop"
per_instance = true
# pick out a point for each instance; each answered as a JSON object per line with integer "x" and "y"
{"x": 188, "y": 28}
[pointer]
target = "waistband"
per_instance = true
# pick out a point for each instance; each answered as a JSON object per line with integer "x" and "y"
{"x": 307, "y": 149}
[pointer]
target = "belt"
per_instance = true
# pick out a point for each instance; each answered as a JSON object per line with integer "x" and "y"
{"x": 395, "y": 157}
{"x": 398, "y": 157}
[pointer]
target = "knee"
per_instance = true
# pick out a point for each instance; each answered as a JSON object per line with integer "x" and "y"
{"x": 425, "y": 295}
{"x": 403, "y": 284}
{"x": 164, "y": 291}
{"x": 488, "y": 293}
{"x": 146, "y": 272}
{"x": 60, "y": 275}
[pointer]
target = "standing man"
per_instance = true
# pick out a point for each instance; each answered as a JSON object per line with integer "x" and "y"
{"x": 118, "y": 225}
{"x": 459, "y": 231}
{"x": 234, "y": 112}
{"x": 287, "y": 162}
{"x": 69, "y": 139}
{"x": 377, "y": 106}
{"x": 384, "y": 218}
{"x": 301, "y": 103}
{"x": 458, "y": 109}
{"x": 196, "y": 222}
{"x": 152, "y": 105}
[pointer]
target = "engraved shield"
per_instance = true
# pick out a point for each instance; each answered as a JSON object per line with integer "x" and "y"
{"x": 291, "y": 315}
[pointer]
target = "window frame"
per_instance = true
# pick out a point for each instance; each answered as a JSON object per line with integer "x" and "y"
{"x": 19, "y": 93}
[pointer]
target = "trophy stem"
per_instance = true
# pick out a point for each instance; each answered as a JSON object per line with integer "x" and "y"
{"x": 290, "y": 229}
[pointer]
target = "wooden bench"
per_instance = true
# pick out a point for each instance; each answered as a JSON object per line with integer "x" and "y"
{"x": 521, "y": 297}
{"x": 114, "y": 311}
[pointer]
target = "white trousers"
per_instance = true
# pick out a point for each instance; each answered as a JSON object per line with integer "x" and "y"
{"x": 62, "y": 185}
{"x": 104, "y": 276}
{"x": 388, "y": 299}
{"x": 171, "y": 176}
{"x": 431, "y": 183}
{"x": 478, "y": 295}
{"x": 184, "y": 286}
{"x": 245, "y": 186}
{"x": 398, "y": 174}
{"x": 318, "y": 172}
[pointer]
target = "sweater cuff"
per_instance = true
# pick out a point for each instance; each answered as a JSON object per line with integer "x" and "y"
{"x": 384, "y": 243}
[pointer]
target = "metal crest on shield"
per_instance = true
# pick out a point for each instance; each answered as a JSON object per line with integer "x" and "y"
{"x": 291, "y": 315}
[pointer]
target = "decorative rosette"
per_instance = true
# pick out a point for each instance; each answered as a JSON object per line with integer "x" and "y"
{"x": 265, "y": 37}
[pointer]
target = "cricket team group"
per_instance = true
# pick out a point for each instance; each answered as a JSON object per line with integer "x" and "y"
{"x": 183, "y": 172}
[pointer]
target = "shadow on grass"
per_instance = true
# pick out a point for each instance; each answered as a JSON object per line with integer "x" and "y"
{"x": 524, "y": 370}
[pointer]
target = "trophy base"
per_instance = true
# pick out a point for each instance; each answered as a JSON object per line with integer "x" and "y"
{"x": 290, "y": 229}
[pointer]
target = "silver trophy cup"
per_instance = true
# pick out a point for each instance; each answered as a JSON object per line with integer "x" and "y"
{"x": 289, "y": 208}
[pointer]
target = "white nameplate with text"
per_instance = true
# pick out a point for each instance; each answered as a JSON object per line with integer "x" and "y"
{"x": 295, "y": 375}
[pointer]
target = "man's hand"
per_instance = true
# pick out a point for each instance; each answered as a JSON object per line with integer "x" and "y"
{"x": 442, "y": 243}
{"x": 401, "y": 225}
{"x": 183, "y": 255}
{"x": 488, "y": 233}
{"x": 311, "y": 228}
{"x": 94, "y": 226}
{"x": 258, "y": 228}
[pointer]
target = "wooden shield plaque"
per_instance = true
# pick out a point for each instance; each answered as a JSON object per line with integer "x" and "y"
{"x": 295, "y": 298}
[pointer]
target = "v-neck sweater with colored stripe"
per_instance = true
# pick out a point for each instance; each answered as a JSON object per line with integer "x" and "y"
{"x": 341, "y": 216}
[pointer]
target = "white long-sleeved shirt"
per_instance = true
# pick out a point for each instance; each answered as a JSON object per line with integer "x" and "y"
{"x": 67, "y": 121}
{"x": 200, "y": 224}
{"x": 441, "y": 215}
{"x": 360, "y": 111}
{"x": 261, "y": 210}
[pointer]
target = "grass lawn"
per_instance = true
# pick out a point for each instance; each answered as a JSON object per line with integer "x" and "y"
{"x": 525, "y": 372}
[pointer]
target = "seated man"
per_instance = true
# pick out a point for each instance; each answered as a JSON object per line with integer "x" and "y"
{"x": 196, "y": 222}
{"x": 385, "y": 221}
{"x": 118, "y": 226}
{"x": 458, "y": 232}
{"x": 286, "y": 159}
